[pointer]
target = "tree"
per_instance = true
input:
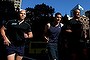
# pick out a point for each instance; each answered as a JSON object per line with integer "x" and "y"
{"x": 39, "y": 16}
{"x": 43, "y": 10}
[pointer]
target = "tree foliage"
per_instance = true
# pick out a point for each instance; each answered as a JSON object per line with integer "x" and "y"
{"x": 39, "y": 10}
{"x": 39, "y": 16}
{"x": 43, "y": 9}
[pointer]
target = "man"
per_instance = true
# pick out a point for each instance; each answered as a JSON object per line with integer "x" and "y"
{"x": 75, "y": 29}
{"x": 14, "y": 33}
{"x": 52, "y": 31}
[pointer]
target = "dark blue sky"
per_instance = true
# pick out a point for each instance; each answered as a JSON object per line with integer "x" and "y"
{"x": 63, "y": 6}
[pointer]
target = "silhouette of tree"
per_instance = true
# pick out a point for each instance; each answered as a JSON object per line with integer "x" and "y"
{"x": 65, "y": 19}
{"x": 43, "y": 10}
{"x": 30, "y": 12}
{"x": 39, "y": 16}
{"x": 7, "y": 10}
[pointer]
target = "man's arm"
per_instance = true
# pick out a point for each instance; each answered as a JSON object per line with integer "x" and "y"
{"x": 6, "y": 40}
{"x": 28, "y": 35}
{"x": 46, "y": 33}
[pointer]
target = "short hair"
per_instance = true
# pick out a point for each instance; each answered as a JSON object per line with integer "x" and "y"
{"x": 21, "y": 10}
{"x": 74, "y": 11}
{"x": 58, "y": 13}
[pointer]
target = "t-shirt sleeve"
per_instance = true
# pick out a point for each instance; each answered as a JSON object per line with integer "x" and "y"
{"x": 7, "y": 24}
{"x": 29, "y": 28}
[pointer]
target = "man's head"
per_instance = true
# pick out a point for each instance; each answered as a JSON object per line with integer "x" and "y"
{"x": 22, "y": 14}
{"x": 76, "y": 13}
{"x": 58, "y": 17}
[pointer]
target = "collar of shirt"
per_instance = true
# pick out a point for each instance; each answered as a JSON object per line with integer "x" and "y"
{"x": 20, "y": 21}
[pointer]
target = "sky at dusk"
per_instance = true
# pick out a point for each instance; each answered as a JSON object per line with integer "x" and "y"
{"x": 63, "y": 6}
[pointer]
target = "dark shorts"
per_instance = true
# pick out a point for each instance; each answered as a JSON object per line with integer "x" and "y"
{"x": 15, "y": 49}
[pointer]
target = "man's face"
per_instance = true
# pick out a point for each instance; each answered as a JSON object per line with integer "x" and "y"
{"x": 77, "y": 13}
{"x": 22, "y": 14}
{"x": 58, "y": 18}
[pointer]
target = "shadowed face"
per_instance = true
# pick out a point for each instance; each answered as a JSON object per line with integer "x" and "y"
{"x": 22, "y": 14}
{"x": 58, "y": 18}
{"x": 77, "y": 13}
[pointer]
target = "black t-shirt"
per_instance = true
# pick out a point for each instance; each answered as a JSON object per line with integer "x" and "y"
{"x": 15, "y": 31}
{"x": 76, "y": 27}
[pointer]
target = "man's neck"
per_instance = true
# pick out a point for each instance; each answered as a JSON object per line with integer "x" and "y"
{"x": 76, "y": 18}
{"x": 20, "y": 21}
{"x": 56, "y": 23}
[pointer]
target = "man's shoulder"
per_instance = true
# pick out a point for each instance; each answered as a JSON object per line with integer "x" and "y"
{"x": 13, "y": 20}
{"x": 27, "y": 24}
{"x": 61, "y": 24}
{"x": 48, "y": 24}
{"x": 10, "y": 21}
{"x": 72, "y": 20}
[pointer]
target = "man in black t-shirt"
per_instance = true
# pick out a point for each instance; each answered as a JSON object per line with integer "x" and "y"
{"x": 75, "y": 29}
{"x": 14, "y": 33}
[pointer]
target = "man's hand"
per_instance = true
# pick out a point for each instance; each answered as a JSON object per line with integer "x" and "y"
{"x": 46, "y": 38}
{"x": 68, "y": 30}
{"x": 25, "y": 35}
{"x": 6, "y": 41}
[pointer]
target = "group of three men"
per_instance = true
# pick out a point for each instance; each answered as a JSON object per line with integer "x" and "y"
{"x": 14, "y": 32}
